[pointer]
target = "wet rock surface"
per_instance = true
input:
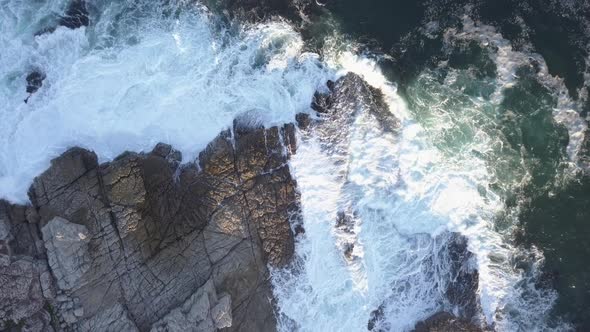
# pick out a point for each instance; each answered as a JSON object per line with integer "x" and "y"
{"x": 145, "y": 243}
{"x": 76, "y": 15}
{"x": 462, "y": 309}
{"x": 336, "y": 108}
{"x": 446, "y": 322}
{"x": 296, "y": 11}
{"x": 34, "y": 82}
{"x": 584, "y": 154}
{"x": 462, "y": 288}
{"x": 141, "y": 243}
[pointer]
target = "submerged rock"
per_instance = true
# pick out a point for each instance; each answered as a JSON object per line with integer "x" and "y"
{"x": 303, "y": 120}
{"x": 142, "y": 243}
{"x": 462, "y": 288}
{"x": 346, "y": 98}
{"x": 295, "y": 11}
{"x": 376, "y": 317}
{"x": 584, "y": 154}
{"x": 321, "y": 102}
{"x": 337, "y": 108}
{"x": 34, "y": 82}
{"x": 460, "y": 292}
{"x": 76, "y": 15}
{"x": 446, "y": 322}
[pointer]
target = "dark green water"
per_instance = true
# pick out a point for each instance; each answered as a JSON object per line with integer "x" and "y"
{"x": 554, "y": 205}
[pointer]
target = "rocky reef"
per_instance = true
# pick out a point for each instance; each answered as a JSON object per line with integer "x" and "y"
{"x": 294, "y": 11}
{"x": 337, "y": 108}
{"x": 146, "y": 243}
{"x": 142, "y": 243}
{"x": 446, "y": 322}
{"x": 462, "y": 308}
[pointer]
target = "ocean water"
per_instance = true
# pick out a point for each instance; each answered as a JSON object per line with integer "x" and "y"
{"x": 447, "y": 58}
{"x": 143, "y": 72}
{"x": 489, "y": 144}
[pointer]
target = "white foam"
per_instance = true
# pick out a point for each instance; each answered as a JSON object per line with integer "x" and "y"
{"x": 133, "y": 79}
{"x": 440, "y": 194}
{"x": 507, "y": 60}
{"x": 398, "y": 197}
{"x": 407, "y": 195}
{"x": 180, "y": 82}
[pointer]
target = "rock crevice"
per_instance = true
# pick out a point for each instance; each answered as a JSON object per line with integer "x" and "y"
{"x": 144, "y": 243}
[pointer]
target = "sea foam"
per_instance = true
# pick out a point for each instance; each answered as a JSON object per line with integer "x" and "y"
{"x": 177, "y": 80}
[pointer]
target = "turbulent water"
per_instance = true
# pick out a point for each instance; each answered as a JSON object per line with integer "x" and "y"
{"x": 139, "y": 75}
{"x": 482, "y": 124}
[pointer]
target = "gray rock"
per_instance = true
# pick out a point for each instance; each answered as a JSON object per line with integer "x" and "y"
{"x": 346, "y": 98}
{"x": 22, "y": 301}
{"x": 21, "y": 297}
{"x": 67, "y": 251}
{"x": 47, "y": 283}
{"x": 202, "y": 312}
{"x": 18, "y": 237}
{"x": 140, "y": 243}
{"x": 110, "y": 319}
{"x": 4, "y": 229}
{"x": 303, "y": 120}
{"x": 79, "y": 312}
{"x": 221, "y": 312}
{"x": 69, "y": 317}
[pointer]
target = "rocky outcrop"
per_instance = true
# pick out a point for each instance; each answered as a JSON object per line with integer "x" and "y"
{"x": 336, "y": 109}
{"x": 347, "y": 99}
{"x": 461, "y": 292}
{"x": 34, "y": 82}
{"x": 67, "y": 251}
{"x": 25, "y": 280}
{"x": 203, "y": 311}
{"x": 461, "y": 308}
{"x": 446, "y": 322}
{"x": 76, "y": 15}
{"x": 145, "y": 243}
{"x": 464, "y": 279}
{"x": 296, "y": 11}
{"x": 142, "y": 243}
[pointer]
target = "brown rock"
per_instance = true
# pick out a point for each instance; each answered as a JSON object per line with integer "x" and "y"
{"x": 153, "y": 233}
